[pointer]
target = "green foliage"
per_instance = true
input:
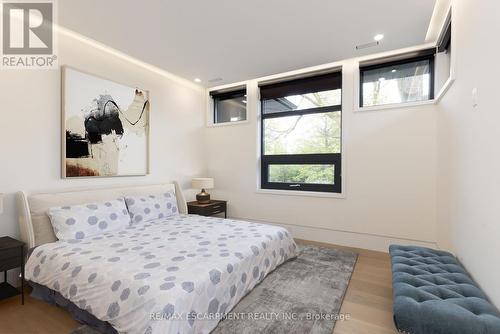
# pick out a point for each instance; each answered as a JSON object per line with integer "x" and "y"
{"x": 318, "y": 174}
{"x": 308, "y": 134}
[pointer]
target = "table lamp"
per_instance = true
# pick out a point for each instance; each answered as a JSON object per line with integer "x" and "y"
{"x": 203, "y": 183}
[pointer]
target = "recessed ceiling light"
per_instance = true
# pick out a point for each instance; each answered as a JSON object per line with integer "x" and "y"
{"x": 394, "y": 71}
{"x": 378, "y": 37}
{"x": 197, "y": 80}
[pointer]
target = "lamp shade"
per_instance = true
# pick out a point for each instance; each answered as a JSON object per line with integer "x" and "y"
{"x": 202, "y": 183}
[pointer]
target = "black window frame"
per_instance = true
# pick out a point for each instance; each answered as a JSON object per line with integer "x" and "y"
{"x": 302, "y": 159}
{"x": 226, "y": 95}
{"x": 429, "y": 54}
{"x": 444, "y": 43}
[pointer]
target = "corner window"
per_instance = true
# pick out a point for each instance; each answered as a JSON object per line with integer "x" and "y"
{"x": 393, "y": 81}
{"x": 229, "y": 106}
{"x": 301, "y": 134}
{"x": 444, "y": 44}
{"x": 444, "y": 58}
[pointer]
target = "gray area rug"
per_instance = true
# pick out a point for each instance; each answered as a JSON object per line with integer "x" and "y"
{"x": 303, "y": 295}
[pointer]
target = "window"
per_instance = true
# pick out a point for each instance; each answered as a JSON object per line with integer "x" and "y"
{"x": 443, "y": 62}
{"x": 444, "y": 44}
{"x": 398, "y": 80}
{"x": 301, "y": 134}
{"x": 229, "y": 106}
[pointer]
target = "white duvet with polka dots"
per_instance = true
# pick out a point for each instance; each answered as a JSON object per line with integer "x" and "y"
{"x": 175, "y": 275}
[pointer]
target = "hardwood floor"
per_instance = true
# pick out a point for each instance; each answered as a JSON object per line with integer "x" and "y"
{"x": 35, "y": 317}
{"x": 368, "y": 302}
{"x": 368, "y": 299}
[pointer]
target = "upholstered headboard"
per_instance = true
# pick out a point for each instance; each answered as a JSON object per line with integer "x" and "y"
{"x": 34, "y": 222}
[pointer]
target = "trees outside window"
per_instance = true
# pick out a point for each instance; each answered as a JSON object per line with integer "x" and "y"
{"x": 301, "y": 143}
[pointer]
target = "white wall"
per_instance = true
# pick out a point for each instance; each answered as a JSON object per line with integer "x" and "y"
{"x": 469, "y": 146}
{"x": 30, "y": 130}
{"x": 389, "y": 177}
{"x": 396, "y": 187}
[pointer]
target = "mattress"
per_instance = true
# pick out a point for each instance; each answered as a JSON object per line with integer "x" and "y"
{"x": 175, "y": 275}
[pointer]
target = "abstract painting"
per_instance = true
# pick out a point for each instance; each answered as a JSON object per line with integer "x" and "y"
{"x": 105, "y": 127}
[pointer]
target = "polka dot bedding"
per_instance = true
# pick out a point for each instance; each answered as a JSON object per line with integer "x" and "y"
{"x": 178, "y": 274}
{"x": 151, "y": 207}
{"x": 80, "y": 221}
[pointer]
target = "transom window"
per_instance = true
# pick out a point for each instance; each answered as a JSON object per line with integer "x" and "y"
{"x": 229, "y": 106}
{"x": 301, "y": 134}
{"x": 400, "y": 80}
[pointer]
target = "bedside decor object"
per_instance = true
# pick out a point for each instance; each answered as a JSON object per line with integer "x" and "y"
{"x": 11, "y": 256}
{"x": 203, "y": 183}
{"x": 211, "y": 208}
{"x": 105, "y": 127}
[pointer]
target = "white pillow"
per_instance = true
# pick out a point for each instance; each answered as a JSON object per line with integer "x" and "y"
{"x": 150, "y": 207}
{"x": 81, "y": 221}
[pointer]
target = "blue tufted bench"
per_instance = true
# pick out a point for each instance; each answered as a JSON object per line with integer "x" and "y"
{"x": 433, "y": 294}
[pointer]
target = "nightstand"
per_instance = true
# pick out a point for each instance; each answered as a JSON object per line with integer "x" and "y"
{"x": 11, "y": 256}
{"x": 210, "y": 209}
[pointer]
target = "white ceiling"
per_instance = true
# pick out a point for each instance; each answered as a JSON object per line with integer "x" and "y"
{"x": 238, "y": 40}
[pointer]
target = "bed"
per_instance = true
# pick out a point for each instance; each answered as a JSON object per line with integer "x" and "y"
{"x": 178, "y": 274}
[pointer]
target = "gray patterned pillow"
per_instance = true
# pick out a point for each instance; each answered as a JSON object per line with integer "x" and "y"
{"x": 80, "y": 221}
{"x": 150, "y": 207}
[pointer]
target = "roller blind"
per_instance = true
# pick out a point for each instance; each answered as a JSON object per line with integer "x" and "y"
{"x": 312, "y": 84}
{"x": 394, "y": 60}
{"x": 224, "y": 95}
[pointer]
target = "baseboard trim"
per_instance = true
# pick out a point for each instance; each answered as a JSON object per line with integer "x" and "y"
{"x": 368, "y": 241}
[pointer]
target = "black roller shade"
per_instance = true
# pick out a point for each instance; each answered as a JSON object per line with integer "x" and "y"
{"x": 397, "y": 59}
{"x": 318, "y": 83}
{"x": 224, "y": 95}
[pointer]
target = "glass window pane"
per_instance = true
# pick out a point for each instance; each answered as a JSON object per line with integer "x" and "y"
{"x": 303, "y": 134}
{"x": 312, "y": 174}
{"x": 305, "y": 101}
{"x": 397, "y": 84}
{"x": 230, "y": 110}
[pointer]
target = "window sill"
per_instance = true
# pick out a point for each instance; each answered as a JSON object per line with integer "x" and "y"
{"x": 395, "y": 106}
{"x": 216, "y": 125}
{"x": 300, "y": 193}
{"x": 445, "y": 88}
